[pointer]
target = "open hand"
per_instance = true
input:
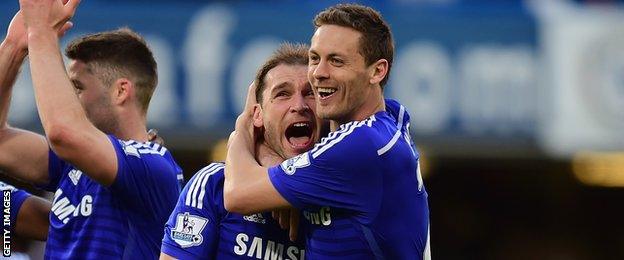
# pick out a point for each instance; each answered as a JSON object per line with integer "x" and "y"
{"x": 16, "y": 33}
{"x": 47, "y": 14}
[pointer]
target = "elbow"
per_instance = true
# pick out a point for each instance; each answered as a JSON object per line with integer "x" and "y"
{"x": 60, "y": 138}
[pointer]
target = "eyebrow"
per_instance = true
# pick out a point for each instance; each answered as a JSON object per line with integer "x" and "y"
{"x": 331, "y": 55}
{"x": 279, "y": 87}
{"x": 76, "y": 83}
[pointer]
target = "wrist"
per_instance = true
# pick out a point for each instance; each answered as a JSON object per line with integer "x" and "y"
{"x": 38, "y": 34}
{"x": 13, "y": 47}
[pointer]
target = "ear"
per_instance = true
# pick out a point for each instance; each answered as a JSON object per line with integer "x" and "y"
{"x": 378, "y": 71}
{"x": 123, "y": 90}
{"x": 257, "y": 116}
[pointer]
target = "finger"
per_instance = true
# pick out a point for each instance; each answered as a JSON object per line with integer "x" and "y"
{"x": 231, "y": 139}
{"x": 251, "y": 97}
{"x": 294, "y": 225}
{"x": 68, "y": 25}
{"x": 71, "y": 6}
{"x": 152, "y": 133}
{"x": 284, "y": 220}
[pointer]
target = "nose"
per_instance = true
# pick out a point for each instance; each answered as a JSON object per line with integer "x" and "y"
{"x": 320, "y": 70}
{"x": 299, "y": 104}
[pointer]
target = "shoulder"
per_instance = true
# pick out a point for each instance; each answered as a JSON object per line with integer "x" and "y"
{"x": 136, "y": 149}
{"x": 207, "y": 182}
{"x": 213, "y": 173}
{"x": 148, "y": 156}
{"x": 353, "y": 138}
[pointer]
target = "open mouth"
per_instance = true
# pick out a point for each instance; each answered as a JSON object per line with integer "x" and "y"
{"x": 299, "y": 134}
{"x": 326, "y": 92}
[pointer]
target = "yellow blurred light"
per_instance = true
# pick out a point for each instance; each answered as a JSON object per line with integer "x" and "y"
{"x": 219, "y": 151}
{"x": 599, "y": 168}
{"x": 425, "y": 163}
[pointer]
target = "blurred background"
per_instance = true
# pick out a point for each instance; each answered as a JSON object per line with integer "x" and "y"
{"x": 517, "y": 106}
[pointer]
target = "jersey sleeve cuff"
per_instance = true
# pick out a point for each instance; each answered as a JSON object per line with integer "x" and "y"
{"x": 55, "y": 167}
{"x": 276, "y": 175}
{"x": 17, "y": 199}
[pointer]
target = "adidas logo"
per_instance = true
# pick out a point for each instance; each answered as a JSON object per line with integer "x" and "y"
{"x": 258, "y": 218}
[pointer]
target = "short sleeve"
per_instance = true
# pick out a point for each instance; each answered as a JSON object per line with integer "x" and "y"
{"x": 192, "y": 231}
{"x": 340, "y": 172}
{"x": 56, "y": 167}
{"x": 17, "y": 198}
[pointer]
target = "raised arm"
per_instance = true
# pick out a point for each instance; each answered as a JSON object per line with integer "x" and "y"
{"x": 71, "y": 135}
{"x": 23, "y": 154}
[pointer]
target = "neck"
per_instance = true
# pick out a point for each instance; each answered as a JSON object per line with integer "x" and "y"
{"x": 375, "y": 103}
{"x": 132, "y": 126}
{"x": 266, "y": 156}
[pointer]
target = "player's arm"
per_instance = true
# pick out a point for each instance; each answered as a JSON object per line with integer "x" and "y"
{"x": 33, "y": 218}
{"x": 325, "y": 176}
{"x": 70, "y": 134}
{"x": 23, "y": 154}
{"x": 247, "y": 187}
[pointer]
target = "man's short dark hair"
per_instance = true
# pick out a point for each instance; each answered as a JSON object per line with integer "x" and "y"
{"x": 376, "y": 42}
{"x": 287, "y": 54}
{"x": 115, "y": 54}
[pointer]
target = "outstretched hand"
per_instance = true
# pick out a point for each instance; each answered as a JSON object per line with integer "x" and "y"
{"x": 47, "y": 14}
{"x": 16, "y": 33}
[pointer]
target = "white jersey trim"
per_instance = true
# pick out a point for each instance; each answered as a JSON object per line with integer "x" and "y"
{"x": 337, "y": 136}
{"x": 197, "y": 191}
{"x": 396, "y": 136}
{"x": 427, "y": 251}
{"x": 146, "y": 148}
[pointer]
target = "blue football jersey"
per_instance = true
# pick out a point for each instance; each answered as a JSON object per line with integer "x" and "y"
{"x": 17, "y": 199}
{"x": 122, "y": 221}
{"x": 201, "y": 228}
{"x": 361, "y": 191}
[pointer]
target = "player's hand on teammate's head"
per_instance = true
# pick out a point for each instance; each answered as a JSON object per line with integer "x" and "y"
{"x": 244, "y": 122}
{"x": 152, "y": 136}
{"x": 250, "y": 102}
{"x": 48, "y": 14}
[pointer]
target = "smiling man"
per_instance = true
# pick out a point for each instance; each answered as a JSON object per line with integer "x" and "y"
{"x": 200, "y": 227}
{"x": 360, "y": 188}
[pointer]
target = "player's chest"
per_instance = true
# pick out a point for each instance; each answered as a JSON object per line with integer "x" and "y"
{"x": 257, "y": 236}
{"x": 77, "y": 196}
